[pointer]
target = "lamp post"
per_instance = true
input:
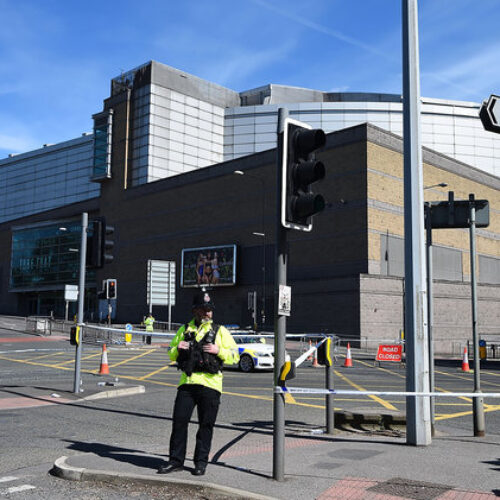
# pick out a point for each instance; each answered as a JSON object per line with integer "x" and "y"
{"x": 430, "y": 303}
{"x": 263, "y": 235}
{"x": 439, "y": 184}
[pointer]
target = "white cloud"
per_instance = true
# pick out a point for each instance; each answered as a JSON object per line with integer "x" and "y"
{"x": 470, "y": 77}
{"x": 356, "y": 42}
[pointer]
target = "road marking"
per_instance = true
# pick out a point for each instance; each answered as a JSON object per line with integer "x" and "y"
{"x": 385, "y": 404}
{"x": 17, "y": 489}
{"x": 131, "y": 359}
{"x": 48, "y": 355}
{"x": 5, "y": 479}
{"x": 24, "y": 361}
{"x": 58, "y": 365}
{"x": 163, "y": 368}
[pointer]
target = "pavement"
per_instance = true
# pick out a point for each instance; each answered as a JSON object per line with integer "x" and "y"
{"x": 362, "y": 462}
{"x": 366, "y": 458}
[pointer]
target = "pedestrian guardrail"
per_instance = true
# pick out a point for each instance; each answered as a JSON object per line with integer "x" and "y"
{"x": 41, "y": 325}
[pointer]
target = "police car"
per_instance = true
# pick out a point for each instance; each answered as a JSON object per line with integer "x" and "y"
{"x": 254, "y": 353}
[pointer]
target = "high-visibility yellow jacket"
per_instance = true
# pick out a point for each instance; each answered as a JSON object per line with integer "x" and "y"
{"x": 149, "y": 321}
{"x": 228, "y": 352}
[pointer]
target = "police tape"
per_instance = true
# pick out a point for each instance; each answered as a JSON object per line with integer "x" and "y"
{"x": 123, "y": 331}
{"x": 339, "y": 392}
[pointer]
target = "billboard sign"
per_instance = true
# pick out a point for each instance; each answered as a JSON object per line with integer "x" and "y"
{"x": 209, "y": 266}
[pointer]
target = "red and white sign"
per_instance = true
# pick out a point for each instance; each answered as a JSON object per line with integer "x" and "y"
{"x": 390, "y": 353}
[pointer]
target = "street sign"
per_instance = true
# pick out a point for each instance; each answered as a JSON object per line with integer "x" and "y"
{"x": 455, "y": 214}
{"x": 161, "y": 283}
{"x": 284, "y": 300}
{"x": 71, "y": 293}
{"x": 490, "y": 114}
{"x": 128, "y": 327}
{"x": 390, "y": 353}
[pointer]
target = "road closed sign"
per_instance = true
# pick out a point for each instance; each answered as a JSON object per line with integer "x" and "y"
{"x": 390, "y": 353}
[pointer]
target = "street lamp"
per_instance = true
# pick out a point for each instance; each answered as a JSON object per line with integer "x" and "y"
{"x": 440, "y": 184}
{"x": 262, "y": 234}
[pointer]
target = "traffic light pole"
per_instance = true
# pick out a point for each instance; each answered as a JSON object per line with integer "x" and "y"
{"x": 430, "y": 312}
{"x": 418, "y": 430}
{"x": 81, "y": 298}
{"x": 477, "y": 403}
{"x": 279, "y": 320}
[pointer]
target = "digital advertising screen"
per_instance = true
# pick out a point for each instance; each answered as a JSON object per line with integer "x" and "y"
{"x": 209, "y": 266}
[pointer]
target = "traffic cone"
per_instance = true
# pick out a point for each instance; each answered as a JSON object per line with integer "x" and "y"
{"x": 104, "y": 369}
{"x": 348, "y": 357}
{"x": 315, "y": 360}
{"x": 465, "y": 361}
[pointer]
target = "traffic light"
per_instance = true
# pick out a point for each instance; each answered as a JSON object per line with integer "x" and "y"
{"x": 300, "y": 169}
{"x": 324, "y": 353}
{"x": 98, "y": 244}
{"x": 111, "y": 289}
{"x": 74, "y": 335}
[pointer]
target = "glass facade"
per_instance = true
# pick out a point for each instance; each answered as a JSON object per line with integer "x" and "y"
{"x": 46, "y": 255}
{"x": 103, "y": 124}
{"x": 47, "y": 178}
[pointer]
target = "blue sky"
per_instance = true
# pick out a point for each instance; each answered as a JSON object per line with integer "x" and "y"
{"x": 57, "y": 57}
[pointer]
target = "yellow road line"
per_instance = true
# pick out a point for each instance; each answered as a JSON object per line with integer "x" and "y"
{"x": 370, "y": 365}
{"x": 72, "y": 360}
{"x": 385, "y": 404}
{"x": 131, "y": 359}
{"x": 466, "y": 376}
{"x": 47, "y": 355}
{"x": 447, "y": 416}
{"x": 33, "y": 363}
{"x": 144, "y": 377}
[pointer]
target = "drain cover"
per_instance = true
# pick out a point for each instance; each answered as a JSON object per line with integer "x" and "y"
{"x": 406, "y": 488}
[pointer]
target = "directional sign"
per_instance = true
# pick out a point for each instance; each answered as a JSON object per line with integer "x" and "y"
{"x": 490, "y": 114}
{"x": 71, "y": 293}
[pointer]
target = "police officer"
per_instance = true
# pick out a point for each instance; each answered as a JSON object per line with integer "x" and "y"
{"x": 200, "y": 348}
{"x": 149, "y": 322}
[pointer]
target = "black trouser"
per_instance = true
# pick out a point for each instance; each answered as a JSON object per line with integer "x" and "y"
{"x": 207, "y": 402}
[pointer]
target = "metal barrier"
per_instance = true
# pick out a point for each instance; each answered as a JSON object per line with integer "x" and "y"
{"x": 41, "y": 325}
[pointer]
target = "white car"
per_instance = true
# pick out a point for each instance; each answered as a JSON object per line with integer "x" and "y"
{"x": 254, "y": 353}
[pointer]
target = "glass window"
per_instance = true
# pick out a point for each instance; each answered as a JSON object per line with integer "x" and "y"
{"x": 103, "y": 125}
{"x": 47, "y": 255}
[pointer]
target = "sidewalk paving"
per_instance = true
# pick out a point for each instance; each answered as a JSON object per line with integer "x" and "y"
{"x": 343, "y": 466}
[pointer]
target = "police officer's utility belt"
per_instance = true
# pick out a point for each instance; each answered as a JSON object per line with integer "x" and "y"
{"x": 194, "y": 359}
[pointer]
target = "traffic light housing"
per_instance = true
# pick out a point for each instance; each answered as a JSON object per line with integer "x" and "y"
{"x": 300, "y": 170}
{"x": 99, "y": 245}
{"x": 74, "y": 335}
{"x": 324, "y": 353}
{"x": 111, "y": 289}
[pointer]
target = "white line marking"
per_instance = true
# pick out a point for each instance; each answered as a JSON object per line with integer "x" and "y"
{"x": 8, "y": 478}
{"x": 17, "y": 489}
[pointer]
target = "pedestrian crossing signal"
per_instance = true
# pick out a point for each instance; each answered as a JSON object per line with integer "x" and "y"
{"x": 324, "y": 353}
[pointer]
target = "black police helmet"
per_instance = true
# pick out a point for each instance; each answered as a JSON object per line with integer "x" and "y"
{"x": 203, "y": 300}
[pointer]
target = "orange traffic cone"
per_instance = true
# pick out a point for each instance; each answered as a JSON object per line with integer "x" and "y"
{"x": 104, "y": 369}
{"x": 315, "y": 360}
{"x": 348, "y": 357}
{"x": 465, "y": 361}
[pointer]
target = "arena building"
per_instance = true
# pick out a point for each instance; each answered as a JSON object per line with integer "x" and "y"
{"x": 160, "y": 166}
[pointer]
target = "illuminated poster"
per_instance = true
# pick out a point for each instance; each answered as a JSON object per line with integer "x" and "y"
{"x": 209, "y": 266}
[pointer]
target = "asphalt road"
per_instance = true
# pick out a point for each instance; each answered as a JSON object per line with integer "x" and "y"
{"x": 36, "y": 431}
